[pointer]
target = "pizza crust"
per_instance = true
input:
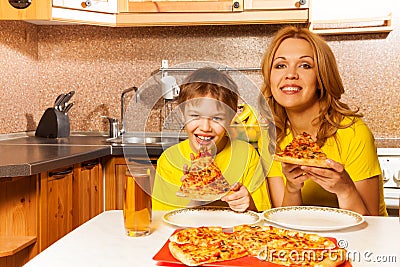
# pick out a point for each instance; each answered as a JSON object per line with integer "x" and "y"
{"x": 304, "y": 162}
{"x": 183, "y": 257}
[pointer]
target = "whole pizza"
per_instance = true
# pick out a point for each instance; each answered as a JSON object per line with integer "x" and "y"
{"x": 201, "y": 245}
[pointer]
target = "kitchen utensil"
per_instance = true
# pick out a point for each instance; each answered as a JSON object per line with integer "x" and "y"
{"x": 209, "y": 216}
{"x": 169, "y": 87}
{"x": 312, "y": 218}
{"x": 53, "y": 124}
{"x": 59, "y": 99}
{"x": 68, "y": 107}
{"x": 114, "y": 126}
{"x": 65, "y": 100}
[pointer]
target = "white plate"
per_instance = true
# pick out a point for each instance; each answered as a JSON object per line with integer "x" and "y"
{"x": 207, "y": 216}
{"x": 313, "y": 218}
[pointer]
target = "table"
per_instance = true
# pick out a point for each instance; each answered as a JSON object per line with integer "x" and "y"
{"x": 102, "y": 242}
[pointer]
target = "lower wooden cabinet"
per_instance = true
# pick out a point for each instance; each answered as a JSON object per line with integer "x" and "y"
{"x": 115, "y": 169}
{"x": 69, "y": 197}
{"x": 55, "y": 205}
{"x": 18, "y": 220}
{"x": 87, "y": 191}
{"x": 37, "y": 210}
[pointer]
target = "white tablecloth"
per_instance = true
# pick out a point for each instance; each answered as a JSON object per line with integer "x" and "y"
{"x": 102, "y": 242}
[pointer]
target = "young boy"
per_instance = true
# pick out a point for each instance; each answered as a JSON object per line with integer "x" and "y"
{"x": 208, "y": 100}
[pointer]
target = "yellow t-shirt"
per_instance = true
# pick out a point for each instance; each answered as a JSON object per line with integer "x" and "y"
{"x": 238, "y": 161}
{"x": 355, "y": 148}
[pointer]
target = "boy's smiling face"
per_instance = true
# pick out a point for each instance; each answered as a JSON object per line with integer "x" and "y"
{"x": 206, "y": 121}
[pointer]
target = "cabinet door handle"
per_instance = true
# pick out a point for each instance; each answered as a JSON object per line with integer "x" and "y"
{"x": 61, "y": 173}
{"x": 89, "y": 165}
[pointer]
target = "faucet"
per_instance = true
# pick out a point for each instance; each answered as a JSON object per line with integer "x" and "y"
{"x": 133, "y": 88}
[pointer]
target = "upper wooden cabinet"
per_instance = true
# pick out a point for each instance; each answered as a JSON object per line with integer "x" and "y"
{"x": 178, "y": 6}
{"x": 347, "y": 17}
{"x": 37, "y": 10}
{"x": 323, "y": 16}
{"x": 104, "y": 6}
{"x": 123, "y": 13}
{"x": 94, "y": 12}
{"x": 211, "y": 12}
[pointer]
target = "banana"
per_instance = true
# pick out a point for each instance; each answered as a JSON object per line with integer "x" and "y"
{"x": 245, "y": 113}
{"x": 248, "y": 116}
{"x": 253, "y": 117}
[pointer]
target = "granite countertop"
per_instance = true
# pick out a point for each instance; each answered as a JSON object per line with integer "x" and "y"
{"x": 388, "y": 142}
{"x": 25, "y": 154}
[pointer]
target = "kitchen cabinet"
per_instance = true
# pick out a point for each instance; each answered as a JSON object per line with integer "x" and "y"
{"x": 39, "y": 209}
{"x": 206, "y": 12}
{"x": 55, "y": 205}
{"x": 177, "y": 6}
{"x": 95, "y": 12}
{"x": 275, "y": 4}
{"x": 87, "y": 191}
{"x": 104, "y": 6}
{"x": 18, "y": 223}
{"x": 69, "y": 197}
{"x": 349, "y": 17}
{"x": 125, "y": 13}
{"x": 115, "y": 169}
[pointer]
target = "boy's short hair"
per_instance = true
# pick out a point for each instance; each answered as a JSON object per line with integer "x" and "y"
{"x": 211, "y": 82}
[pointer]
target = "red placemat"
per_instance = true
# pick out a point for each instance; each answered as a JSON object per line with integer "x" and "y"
{"x": 165, "y": 258}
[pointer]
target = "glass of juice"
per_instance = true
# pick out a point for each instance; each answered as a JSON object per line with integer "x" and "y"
{"x": 137, "y": 200}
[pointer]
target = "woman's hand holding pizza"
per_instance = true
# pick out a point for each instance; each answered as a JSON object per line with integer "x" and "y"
{"x": 335, "y": 179}
{"x": 295, "y": 177}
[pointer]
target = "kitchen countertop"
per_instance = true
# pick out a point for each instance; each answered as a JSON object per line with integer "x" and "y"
{"x": 102, "y": 242}
{"x": 388, "y": 142}
{"x": 28, "y": 155}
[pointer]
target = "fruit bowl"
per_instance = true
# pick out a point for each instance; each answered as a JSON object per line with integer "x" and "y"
{"x": 245, "y": 132}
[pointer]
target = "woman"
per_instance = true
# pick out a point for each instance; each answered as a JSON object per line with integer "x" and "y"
{"x": 303, "y": 87}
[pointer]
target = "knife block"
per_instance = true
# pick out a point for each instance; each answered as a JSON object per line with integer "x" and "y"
{"x": 53, "y": 124}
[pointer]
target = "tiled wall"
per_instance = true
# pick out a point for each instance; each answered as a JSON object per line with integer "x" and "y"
{"x": 39, "y": 62}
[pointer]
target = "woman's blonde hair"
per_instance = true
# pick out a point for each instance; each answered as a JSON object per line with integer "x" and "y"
{"x": 332, "y": 110}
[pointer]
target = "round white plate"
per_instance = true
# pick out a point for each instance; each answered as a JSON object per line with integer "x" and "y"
{"x": 206, "y": 216}
{"x": 313, "y": 218}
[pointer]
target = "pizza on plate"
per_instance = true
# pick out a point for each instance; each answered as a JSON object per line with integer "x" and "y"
{"x": 303, "y": 150}
{"x": 204, "y": 180}
{"x": 198, "y": 246}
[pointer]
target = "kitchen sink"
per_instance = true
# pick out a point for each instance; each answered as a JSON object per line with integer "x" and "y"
{"x": 147, "y": 139}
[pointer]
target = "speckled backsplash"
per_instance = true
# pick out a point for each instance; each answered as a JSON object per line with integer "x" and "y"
{"x": 37, "y": 63}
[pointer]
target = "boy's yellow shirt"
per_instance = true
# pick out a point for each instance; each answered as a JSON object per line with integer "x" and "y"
{"x": 238, "y": 161}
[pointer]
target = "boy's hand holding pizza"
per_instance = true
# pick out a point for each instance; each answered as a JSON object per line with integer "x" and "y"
{"x": 239, "y": 198}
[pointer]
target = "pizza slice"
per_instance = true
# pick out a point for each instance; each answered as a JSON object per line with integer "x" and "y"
{"x": 197, "y": 246}
{"x": 303, "y": 150}
{"x": 204, "y": 180}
